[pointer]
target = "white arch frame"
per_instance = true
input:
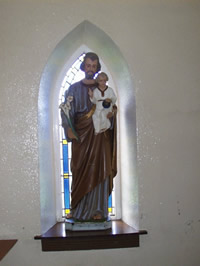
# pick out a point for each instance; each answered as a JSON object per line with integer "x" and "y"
{"x": 84, "y": 36}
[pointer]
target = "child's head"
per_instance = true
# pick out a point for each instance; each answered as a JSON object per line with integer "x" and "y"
{"x": 102, "y": 78}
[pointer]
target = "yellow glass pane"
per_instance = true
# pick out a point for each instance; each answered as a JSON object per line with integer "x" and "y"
{"x": 67, "y": 211}
{"x": 66, "y": 175}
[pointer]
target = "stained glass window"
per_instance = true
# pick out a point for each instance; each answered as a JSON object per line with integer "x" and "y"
{"x": 73, "y": 75}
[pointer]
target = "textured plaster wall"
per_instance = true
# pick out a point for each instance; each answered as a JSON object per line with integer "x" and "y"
{"x": 161, "y": 42}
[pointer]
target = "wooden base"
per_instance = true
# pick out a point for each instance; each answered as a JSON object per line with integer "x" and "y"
{"x": 120, "y": 235}
{"x": 73, "y": 225}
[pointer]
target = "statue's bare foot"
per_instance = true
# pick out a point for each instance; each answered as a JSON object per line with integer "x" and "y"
{"x": 69, "y": 216}
{"x": 97, "y": 217}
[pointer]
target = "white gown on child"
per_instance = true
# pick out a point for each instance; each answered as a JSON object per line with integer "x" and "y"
{"x": 100, "y": 120}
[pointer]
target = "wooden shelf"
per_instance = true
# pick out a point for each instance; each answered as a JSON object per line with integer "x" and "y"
{"x": 120, "y": 235}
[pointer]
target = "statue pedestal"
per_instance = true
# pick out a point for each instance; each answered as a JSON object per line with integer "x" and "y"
{"x": 72, "y": 225}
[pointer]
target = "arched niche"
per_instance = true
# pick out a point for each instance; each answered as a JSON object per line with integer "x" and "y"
{"x": 85, "y": 36}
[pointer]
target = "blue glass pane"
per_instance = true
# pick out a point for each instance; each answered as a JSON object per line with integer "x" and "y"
{"x": 110, "y": 201}
{"x": 66, "y": 193}
{"x": 65, "y": 159}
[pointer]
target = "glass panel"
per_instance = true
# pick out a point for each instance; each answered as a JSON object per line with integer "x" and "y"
{"x": 110, "y": 204}
{"x": 65, "y": 159}
{"x": 66, "y": 193}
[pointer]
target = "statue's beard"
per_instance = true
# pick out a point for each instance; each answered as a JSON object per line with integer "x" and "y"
{"x": 89, "y": 75}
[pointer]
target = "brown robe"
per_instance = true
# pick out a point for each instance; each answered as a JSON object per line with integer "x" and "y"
{"x": 93, "y": 156}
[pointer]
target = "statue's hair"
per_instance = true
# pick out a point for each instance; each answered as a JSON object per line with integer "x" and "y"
{"x": 93, "y": 57}
{"x": 102, "y": 74}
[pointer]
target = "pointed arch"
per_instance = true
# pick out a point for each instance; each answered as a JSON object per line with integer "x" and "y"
{"x": 85, "y": 37}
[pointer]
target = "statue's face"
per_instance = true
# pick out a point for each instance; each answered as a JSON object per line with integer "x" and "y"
{"x": 102, "y": 81}
{"x": 90, "y": 68}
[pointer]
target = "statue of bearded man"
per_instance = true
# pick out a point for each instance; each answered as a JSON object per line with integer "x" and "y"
{"x": 93, "y": 163}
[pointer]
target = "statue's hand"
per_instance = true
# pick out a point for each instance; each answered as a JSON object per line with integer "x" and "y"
{"x": 70, "y": 134}
{"x": 108, "y": 100}
{"x": 114, "y": 112}
{"x": 90, "y": 92}
{"x": 109, "y": 115}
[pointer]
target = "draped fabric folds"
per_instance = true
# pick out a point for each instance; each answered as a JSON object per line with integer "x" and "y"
{"x": 93, "y": 159}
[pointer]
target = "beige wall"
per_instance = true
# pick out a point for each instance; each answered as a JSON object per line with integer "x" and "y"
{"x": 161, "y": 42}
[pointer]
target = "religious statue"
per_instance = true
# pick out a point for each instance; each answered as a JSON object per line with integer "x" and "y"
{"x": 93, "y": 136}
